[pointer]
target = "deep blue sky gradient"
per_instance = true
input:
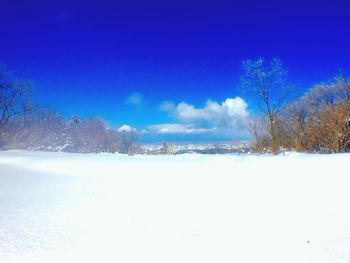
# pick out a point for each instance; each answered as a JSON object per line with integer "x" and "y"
{"x": 86, "y": 58}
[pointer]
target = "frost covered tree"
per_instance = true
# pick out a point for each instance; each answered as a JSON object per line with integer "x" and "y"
{"x": 90, "y": 136}
{"x": 127, "y": 139}
{"x": 166, "y": 148}
{"x": 320, "y": 119}
{"x": 25, "y": 126}
{"x": 267, "y": 83}
{"x": 42, "y": 130}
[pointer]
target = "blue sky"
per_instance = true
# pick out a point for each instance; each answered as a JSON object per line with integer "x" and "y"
{"x": 125, "y": 61}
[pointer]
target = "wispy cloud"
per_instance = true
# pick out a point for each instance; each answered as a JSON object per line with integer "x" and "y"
{"x": 177, "y": 128}
{"x": 135, "y": 99}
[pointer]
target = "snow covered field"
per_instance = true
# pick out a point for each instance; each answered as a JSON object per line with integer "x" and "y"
{"x": 57, "y": 207}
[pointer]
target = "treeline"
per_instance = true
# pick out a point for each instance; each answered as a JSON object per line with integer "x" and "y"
{"x": 318, "y": 121}
{"x": 25, "y": 126}
{"x": 48, "y": 131}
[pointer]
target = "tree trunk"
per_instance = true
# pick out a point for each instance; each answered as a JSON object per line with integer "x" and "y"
{"x": 273, "y": 135}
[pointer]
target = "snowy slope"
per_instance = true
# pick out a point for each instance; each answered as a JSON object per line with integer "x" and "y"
{"x": 58, "y": 207}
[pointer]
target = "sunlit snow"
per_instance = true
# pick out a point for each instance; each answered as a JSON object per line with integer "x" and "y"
{"x": 59, "y": 207}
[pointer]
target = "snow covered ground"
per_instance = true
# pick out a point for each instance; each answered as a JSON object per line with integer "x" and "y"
{"x": 58, "y": 207}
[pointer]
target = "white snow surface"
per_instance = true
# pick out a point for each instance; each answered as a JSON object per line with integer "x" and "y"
{"x": 59, "y": 207}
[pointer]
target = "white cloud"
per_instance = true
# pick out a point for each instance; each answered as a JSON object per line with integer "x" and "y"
{"x": 230, "y": 113}
{"x": 176, "y": 128}
{"x": 135, "y": 99}
{"x": 126, "y": 128}
{"x": 212, "y": 121}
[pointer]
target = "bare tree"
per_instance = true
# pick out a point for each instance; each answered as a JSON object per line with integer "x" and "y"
{"x": 267, "y": 82}
{"x": 13, "y": 98}
{"x": 342, "y": 88}
{"x": 295, "y": 117}
{"x": 256, "y": 127}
